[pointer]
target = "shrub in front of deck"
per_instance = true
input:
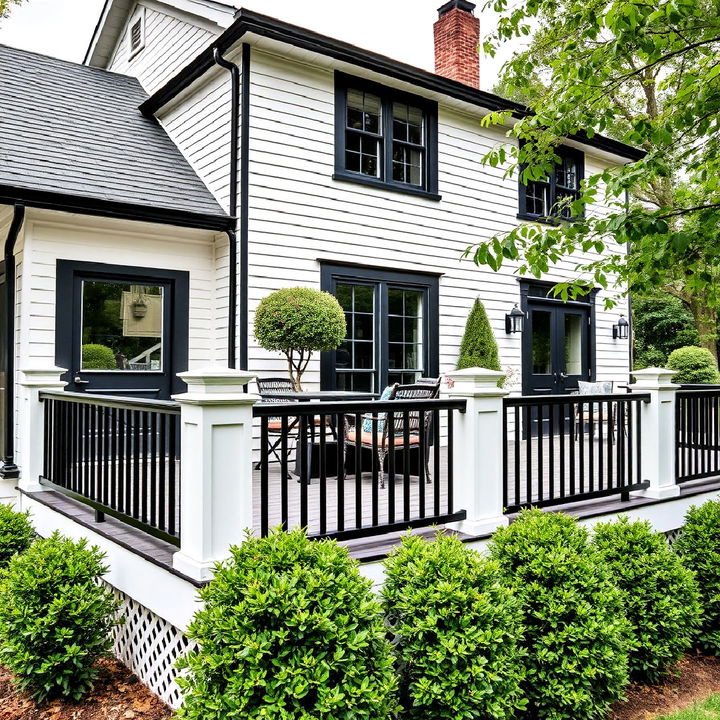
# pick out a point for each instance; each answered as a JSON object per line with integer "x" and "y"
{"x": 289, "y": 629}
{"x": 478, "y": 347}
{"x": 662, "y": 600}
{"x": 98, "y": 357}
{"x": 457, "y": 631}
{"x": 297, "y": 322}
{"x": 55, "y": 618}
{"x": 699, "y": 548}
{"x": 16, "y": 533}
{"x": 576, "y": 637}
{"x": 693, "y": 365}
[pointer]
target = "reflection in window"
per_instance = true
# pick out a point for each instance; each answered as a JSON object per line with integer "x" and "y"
{"x": 573, "y": 344}
{"x": 355, "y": 358}
{"x": 121, "y": 326}
{"x": 405, "y": 342}
{"x": 363, "y": 133}
{"x": 541, "y": 343}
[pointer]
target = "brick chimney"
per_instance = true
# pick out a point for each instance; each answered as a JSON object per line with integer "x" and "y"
{"x": 457, "y": 43}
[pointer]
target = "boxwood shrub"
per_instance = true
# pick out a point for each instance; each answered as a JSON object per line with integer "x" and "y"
{"x": 699, "y": 548}
{"x": 290, "y": 629}
{"x": 693, "y": 365}
{"x": 55, "y": 618}
{"x": 576, "y": 637}
{"x": 457, "y": 630}
{"x": 662, "y": 600}
{"x": 16, "y": 533}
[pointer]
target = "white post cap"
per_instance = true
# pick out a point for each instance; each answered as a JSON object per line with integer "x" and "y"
{"x": 42, "y": 376}
{"x": 218, "y": 384}
{"x": 475, "y": 380}
{"x": 654, "y": 377}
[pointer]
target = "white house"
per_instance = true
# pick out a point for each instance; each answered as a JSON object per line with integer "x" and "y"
{"x": 204, "y": 156}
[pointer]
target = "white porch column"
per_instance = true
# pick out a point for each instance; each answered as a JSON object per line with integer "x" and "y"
{"x": 216, "y": 498}
{"x": 477, "y": 449}
{"x": 31, "y": 422}
{"x": 658, "y": 431}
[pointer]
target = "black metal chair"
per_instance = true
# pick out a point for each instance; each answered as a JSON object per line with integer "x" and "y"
{"x": 275, "y": 426}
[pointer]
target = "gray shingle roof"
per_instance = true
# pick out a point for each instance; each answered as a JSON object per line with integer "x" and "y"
{"x": 77, "y": 130}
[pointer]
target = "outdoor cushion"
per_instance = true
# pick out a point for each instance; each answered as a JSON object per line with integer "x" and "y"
{"x": 368, "y": 423}
{"x": 366, "y": 438}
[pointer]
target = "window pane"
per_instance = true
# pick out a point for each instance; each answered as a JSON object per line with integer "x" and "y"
{"x": 124, "y": 323}
{"x": 343, "y": 293}
{"x": 361, "y": 153}
{"x": 407, "y": 123}
{"x": 358, "y": 351}
{"x": 541, "y": 342}
{"x": 363, "y": 327}
{"x": 573, "y": 344}
{"x": 536, "y": 198}
{"x": 396, "y": 329}
{"x": 413, "y": 303}
{"x": 407, "y": 164}
{"x": 363, "y": 355}
{"x": 566, "y": 173}
{"x": 395, "y": 355}
{"x": 363, "y": 111}
{"x": 395, "y": 302}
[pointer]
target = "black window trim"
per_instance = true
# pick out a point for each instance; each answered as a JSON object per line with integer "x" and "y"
{"x": 387, "y": 96}
{"x": 552, "y": 219}
{"x": 331, "y": 274}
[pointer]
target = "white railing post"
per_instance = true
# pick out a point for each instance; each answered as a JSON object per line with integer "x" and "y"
{"x": 477, "y": 449}
{"x": 31, "y": 422}
{"x": 216, "y": 496}
{"x": 658, "y": 440}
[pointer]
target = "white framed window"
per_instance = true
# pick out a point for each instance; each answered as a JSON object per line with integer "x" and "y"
{"x": 136, "y": 32}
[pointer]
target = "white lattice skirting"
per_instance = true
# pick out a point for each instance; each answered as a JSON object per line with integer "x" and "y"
{"x": 150, "y": 647}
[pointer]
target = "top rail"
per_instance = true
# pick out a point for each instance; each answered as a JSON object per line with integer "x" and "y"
{"x": 294, "y": 409}
{"x": 695, "y": 392}
{"x": 129, "y": 403}
{"x": 534, "y": 400}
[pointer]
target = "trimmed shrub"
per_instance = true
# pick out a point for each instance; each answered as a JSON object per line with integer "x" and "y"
{"x": 662, "y": 600}
{"x": 576, "y": 637}
{"x": 699, "y": 548}
{"x": 297, "y": 322}
{"x": 693, "y": 365}
{"x": 478, "y": 347}
{"x": 290, "y": 629}
{"x": 16, "y": 533}
{"x": 98, "y": 357}
{"x": 55, "y": 618}
{"x": 457, "y": 631}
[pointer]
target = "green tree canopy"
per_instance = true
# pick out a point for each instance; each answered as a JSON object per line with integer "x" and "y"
{"x": 5, "y": 7}
{"x": 646, "y": 72}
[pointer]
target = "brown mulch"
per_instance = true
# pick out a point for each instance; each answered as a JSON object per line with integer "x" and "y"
{"x": 695, "y": 679}
{"x": 118, "y": 695}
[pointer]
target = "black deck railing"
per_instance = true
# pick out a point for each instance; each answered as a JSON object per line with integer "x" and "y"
{"x": 566, "y": 448}
{"x": 316, "y": 470}
{"x": 697, "y": 434}
{"x": 121, "y": 456}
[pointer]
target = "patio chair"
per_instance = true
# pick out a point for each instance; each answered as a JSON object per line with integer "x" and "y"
{"x": 582, "y": 411}
{"x": 277, "y": 385}
{"x": 428, "y": 381}
{"x": 376, "y": 425}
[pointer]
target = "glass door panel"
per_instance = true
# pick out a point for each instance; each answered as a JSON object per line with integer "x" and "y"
{"x": 405, "y": 341}
{"x": 355, "y": 359}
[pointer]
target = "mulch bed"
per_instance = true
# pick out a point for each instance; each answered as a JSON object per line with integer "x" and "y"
{"x": 118, "y": 695}
{"x": 696, "y": 678}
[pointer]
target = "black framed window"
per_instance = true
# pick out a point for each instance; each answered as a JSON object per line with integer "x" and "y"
{"x": 544, "y": 199}
{"x": 385, "y": 137}
{"x": 392, "y": 328}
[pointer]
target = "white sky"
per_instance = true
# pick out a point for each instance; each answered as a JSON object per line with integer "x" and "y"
{"x": 401, "y": 29}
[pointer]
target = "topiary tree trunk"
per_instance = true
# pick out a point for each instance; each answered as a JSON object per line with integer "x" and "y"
{"x": 479, "y": 347}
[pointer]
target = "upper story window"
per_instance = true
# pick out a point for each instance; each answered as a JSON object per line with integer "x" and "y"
{"x": 545, "y": 198}
{"x": 385, "y": 137}
{"x": 136, "y": 33}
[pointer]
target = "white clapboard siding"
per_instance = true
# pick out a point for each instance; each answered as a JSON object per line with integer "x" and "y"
{"x": 170, "y": 44}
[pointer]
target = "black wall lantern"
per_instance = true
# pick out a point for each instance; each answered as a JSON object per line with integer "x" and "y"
{"x": 514, "y": 320}
{"x": 621, "y": 330}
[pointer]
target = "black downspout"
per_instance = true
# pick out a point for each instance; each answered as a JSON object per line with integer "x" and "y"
{"x": 236, "y": 111}
{"x": 631, "y": 334}
{"x": 9, "y": 468}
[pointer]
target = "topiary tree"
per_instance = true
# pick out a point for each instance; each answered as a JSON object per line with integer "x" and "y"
{"x": 576, "y": 637}
{"x": 55, "y": 617}
{"x": 289, "y": 629}
{"x": 16, "y": 533}
{"x": 699, "y": 548}
{"x": 478, "y": 347}
{"x": 457, "y": 631}
{"x": 297, "y": 322}
{"x": 662, "y": 600}
{"x": 693, "y": 365}
{"x": 98, "y": 357}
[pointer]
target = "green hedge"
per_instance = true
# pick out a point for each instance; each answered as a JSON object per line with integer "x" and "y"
{"x": 699, "y": 548}
{"x": 457, "y": 632}
{"x": 55, "y": 618}
{"x": 576, "y": 637}
{"x": 693, "y": 365}
{"x": 98, "y": 357}
{"x": 662, "y": 600}
{"x": 290, "y": 629}
{"x": 16, "y": 533}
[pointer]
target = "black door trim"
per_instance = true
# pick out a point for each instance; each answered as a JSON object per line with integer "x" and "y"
{"x": 67, "y": 289}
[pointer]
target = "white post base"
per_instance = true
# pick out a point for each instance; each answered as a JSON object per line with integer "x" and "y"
{"x": 658, "y": 493}
{"x": 480, "y": 526}
{"x": 190, "y": 567}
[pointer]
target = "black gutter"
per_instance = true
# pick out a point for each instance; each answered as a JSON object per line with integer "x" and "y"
{"x": 251, "y": 22}
{"x": 9, "y": 469}
{"x": 109, "y": 208}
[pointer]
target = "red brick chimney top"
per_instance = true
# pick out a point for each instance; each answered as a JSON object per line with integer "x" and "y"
{"x": 457, "y": 43}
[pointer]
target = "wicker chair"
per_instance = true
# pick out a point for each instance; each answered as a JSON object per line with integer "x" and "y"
{"x": 377, "y": 425}
{"x": 582, "y": 411}
{"x": 277, "y": 385}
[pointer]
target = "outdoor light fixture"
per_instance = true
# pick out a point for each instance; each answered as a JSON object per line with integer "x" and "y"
{"x": 621, "y": 330}
{"x": 514, "y": 320}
